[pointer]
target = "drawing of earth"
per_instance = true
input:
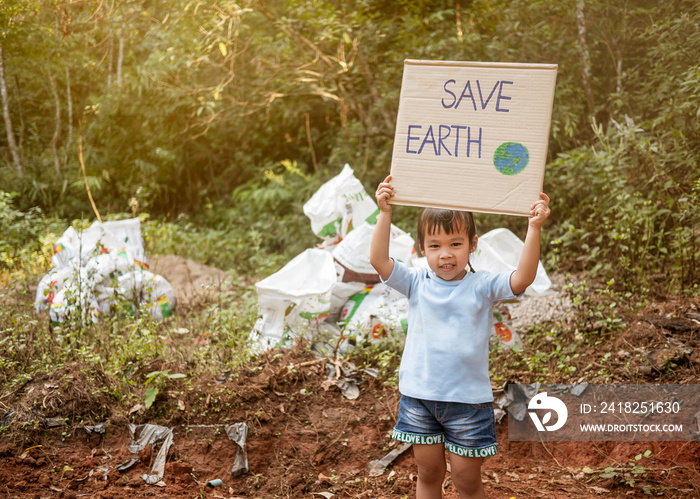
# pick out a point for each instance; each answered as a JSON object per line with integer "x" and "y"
{"x": 511, "y": 158}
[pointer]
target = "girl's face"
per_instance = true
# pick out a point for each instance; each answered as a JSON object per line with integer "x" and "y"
{"x": 448, "y": 254}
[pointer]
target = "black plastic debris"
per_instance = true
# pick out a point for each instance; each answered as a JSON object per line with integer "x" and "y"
{"x": 8, "y": 416}
{"x": 98, "y": 428}
{"x": 129, "y": 463}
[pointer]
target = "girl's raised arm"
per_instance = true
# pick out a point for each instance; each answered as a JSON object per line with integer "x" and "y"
{"x": 379, "y": 248}
{"x": 526, "y": 271}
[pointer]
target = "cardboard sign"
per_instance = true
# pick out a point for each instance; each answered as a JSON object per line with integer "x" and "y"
{"x": 472, "y": 136}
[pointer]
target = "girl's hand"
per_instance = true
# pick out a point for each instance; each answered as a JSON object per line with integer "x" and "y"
{"x": 384, "y": 192}
{"x": 539, "y": 211}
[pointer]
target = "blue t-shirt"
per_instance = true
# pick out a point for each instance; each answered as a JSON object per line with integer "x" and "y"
{"x": 446, "y": 356}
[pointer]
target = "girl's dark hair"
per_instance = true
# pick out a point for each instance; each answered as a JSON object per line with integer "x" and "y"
{"x": 431, "y": 220}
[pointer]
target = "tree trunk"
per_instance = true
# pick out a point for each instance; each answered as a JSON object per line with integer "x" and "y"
{"x": 585, "y": 55}
{"x": 69, "y": 106}
{"x": 11, "y": 144}
{"x": 618, "y": 78}
{"x": 120, "y": 57}
{"x": 20, "y": 113}
{"x": 57, "y": 118}
{"x": 389, "y": 124}
{"x": 110, "y": 48}
{"x": 458, "y": 20}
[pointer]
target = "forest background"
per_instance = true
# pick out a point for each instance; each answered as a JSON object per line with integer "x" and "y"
{"x": 218, "y": 119}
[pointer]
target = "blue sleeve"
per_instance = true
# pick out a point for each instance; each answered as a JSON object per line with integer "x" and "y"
{"x": 497, "y": 286}
{"x": 401, "y": 279}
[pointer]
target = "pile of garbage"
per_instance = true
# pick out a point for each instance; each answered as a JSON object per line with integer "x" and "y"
{"x": 100, "y": 270}
{"x": 332, "y": 297}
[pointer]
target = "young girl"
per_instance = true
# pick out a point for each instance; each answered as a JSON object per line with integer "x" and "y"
{"x": 446, "y": 397}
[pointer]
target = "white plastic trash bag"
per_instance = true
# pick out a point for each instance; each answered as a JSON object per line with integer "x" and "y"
{"x": 340, "y": 294}
{"x": 499, "y": 251}
{"x": 376, "y": 313}
{"x": 65, "y": 248}
{"x": 150, "y": 291}
{"x": 98, "y": 268}
{"x": 98, "y": 239}
{"x": 339, "y": 205}
{"x": 77, "y": 248}
{"x": 73, "y": 296}
{"x": 502, "y": 331}
{"x": 127, "y": 234}
{"x": 353, "y": 251}
{"x": 295, "y": 300}
{"x": 49, "y": 285}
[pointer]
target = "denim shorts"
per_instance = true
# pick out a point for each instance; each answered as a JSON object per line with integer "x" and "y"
{"x": 468, "y": 430}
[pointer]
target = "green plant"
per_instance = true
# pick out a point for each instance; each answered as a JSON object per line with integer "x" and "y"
{"x": 623, "y": 227}
{"x": 159, "y": 380}
{"x": 596, "y": 309}
{"x": 636, "y": 469}
{"x": 26, "y": 239}
{"x": 388, "y": 363}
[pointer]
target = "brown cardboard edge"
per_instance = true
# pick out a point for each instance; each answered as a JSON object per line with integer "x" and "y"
{"x": 511, "y": 65}
{"x": 457, "y": 208}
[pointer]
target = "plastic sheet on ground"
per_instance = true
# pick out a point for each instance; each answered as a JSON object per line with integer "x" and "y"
{"x": 100, "y": 270}
{"x": 346, "y": 377}
{"x": 515, "y": 397}
{"x": 98, "y": 428}
{"x": 238, "y": 433}
{"x": 376, "y": 468}
{"x": 150, "y": 434}
{"x": 31, "y": 416}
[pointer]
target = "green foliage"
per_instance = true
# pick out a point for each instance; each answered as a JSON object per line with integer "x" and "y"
{"x": 629, "y": 200}
{"x": 556, "y": 350}
{"x": 634, "y": 470}
{"x": 623, "y": 221}
{"x": 183, "y": 107}
{"x": 18, "y": 229}
{"x": 596, "y": 310}
{"x": 26, "y": 237}
{"x": 386, "y": 357}
{"x": 545, "y": 355}
{"x": 254, "y": 233}
{"x": 159, "y": 380}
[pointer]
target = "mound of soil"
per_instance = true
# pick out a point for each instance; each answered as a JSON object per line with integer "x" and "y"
{"x": 72, "y": 393}
{"x": 192, "y": 281}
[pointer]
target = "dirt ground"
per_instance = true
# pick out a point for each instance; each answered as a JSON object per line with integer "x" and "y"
{"x": 191, "y": 281}
{"x": 305, "y": 439}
